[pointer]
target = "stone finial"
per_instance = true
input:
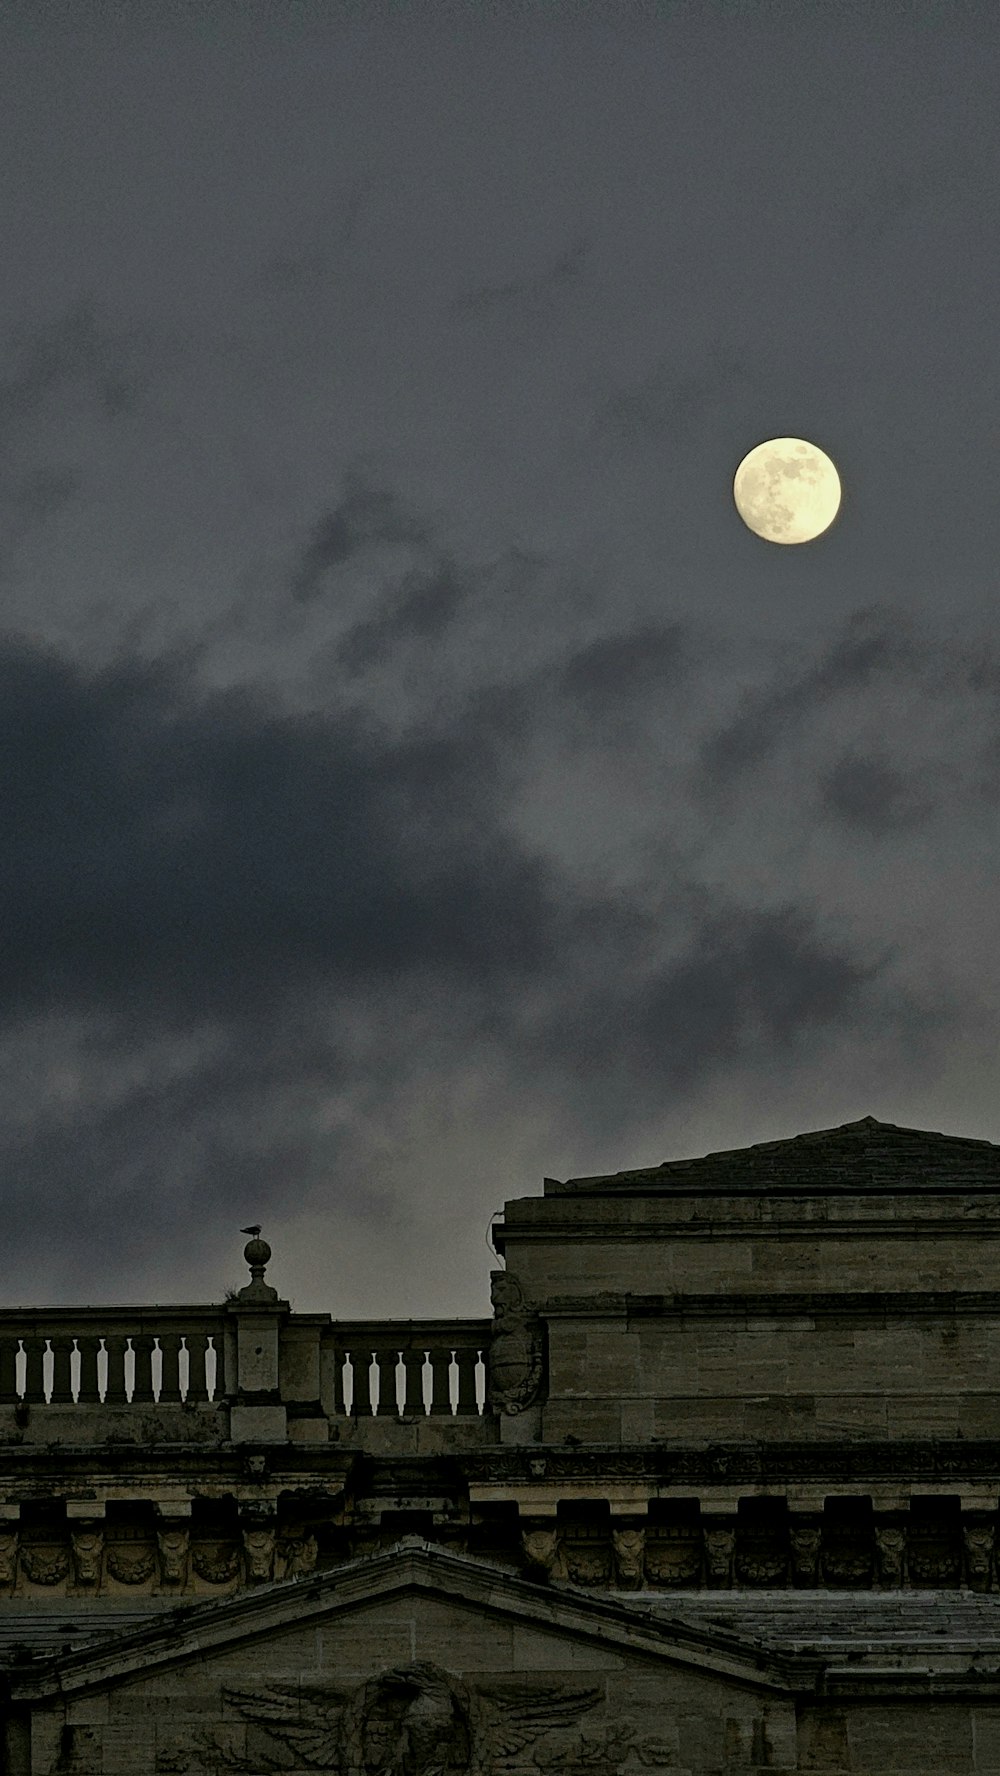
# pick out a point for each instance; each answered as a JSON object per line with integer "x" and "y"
{"x": 257, "y": 1253}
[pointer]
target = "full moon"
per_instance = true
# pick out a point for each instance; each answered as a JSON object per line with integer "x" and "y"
{"x": 787, "y": 491}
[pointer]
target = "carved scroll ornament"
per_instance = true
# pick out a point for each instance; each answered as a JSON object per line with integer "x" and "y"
{"x": 516, "y": 1351}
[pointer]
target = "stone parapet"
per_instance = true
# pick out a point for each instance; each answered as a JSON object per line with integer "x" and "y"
{"x": 247, "y": 1372}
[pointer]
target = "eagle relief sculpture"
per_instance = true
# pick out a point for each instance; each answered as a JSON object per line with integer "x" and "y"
{"x": 420, "y": 1720}
{"x": 515, "y": 1354}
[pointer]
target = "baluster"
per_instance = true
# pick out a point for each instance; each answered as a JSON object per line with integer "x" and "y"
{"x": 441, "y": 1381}
{"x": 88, "y": 1346}
{"x": 386, "y": 1363}
{"x": 62, "y": 1378}
{"x": 467, "y": 1361}
{"x": 115, "y": 1344}
{"x": 363, "y": 1402}
{"x": 197, "y": 1349}
{"x": 413, "y": 1383}
{"x": 339, "y": 1399}
{"x": 142, "y": 1390}
{"x": 9, "y": 1395}
{"x": 34, "y": 1376}
{"x": 170, "y": 1374}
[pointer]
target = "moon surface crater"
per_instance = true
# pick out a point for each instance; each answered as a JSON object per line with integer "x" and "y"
{"x": 787, "y": 490}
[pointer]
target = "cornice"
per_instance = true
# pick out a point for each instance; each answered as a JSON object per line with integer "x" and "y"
{"x": 181, "y": 1462}
{"x": 774, "y": 1304}
{"x": 742, "y": 1463}
{"x": 614, "y": 1232}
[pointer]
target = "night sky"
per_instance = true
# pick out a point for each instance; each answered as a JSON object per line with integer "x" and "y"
{"x": 416, "y": 778}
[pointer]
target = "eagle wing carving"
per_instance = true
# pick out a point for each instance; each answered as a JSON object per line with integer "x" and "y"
{"x": 514, "y": 1713}
{"x": 304, "y": 1717}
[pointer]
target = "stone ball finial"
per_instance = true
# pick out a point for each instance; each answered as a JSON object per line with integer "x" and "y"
{"x": 257, "y": 1252}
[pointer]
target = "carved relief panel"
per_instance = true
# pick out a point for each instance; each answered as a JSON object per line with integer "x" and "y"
{"x": 422, "y": 1720}
{"x": 516, "y": 1357}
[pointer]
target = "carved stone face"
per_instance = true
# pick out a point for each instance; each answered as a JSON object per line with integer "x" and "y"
{"x": 8, "y": 1556}
{"x": 505, "y": 1293}
{"x": 87, "y": 1545}
{"x": 173, "y": 1547}
{"x": 979, "y": 1547}
{"x": 628, "y": 1549}
{"x": 540, "y": 1546}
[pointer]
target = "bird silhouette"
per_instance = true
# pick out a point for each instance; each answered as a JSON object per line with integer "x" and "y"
{"x": 253, "y": 1230}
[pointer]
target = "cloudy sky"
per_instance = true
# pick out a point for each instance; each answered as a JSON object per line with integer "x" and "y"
{"x": 416, "y": 779}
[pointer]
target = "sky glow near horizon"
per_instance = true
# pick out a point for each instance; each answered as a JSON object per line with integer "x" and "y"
{"x": 418, "y": 780}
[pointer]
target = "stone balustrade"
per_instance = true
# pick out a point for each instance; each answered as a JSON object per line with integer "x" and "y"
{"x": 249, "y": 1370}
{"x": 106, "y": 1357}
{"x": 86, "y": 1372}
{"x": 409, "y": 1368}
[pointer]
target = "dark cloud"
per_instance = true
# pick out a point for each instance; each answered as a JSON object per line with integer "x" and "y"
{"x": 874, "y": 642}
{"x": 615, "y": 670}
{"x": 248, "y": 911}
{"x": 871, "y": 796}
{"x": 138, "y": 1139}
{"x": 218, "y": 852}
{"x": 421, "y": 609}
{"x": 144, "y": 1150}
{"x": 377, "y": 408}
{"x": 364, "y": 517}
{"x": 753, "y": 980}
{"x": 75, "y": 354}
{"x": 747, "y": 987}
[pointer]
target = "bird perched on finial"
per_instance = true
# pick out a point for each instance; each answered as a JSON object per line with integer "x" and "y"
{"x": 253, "y": 1230}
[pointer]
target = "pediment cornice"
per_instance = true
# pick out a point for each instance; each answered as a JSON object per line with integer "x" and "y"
{"x": 198, "y": 1631}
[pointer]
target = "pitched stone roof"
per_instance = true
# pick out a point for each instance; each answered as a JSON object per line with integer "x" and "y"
{"x": 859, "y": 1627}
{"x": 67, "y": 1644}
{"x": 44, "y": 1628}
{"x": 865, "y": 1155}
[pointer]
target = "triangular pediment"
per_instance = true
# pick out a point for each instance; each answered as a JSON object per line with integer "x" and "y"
{"x": 866, "y": 1155}
{"x": 567, "y": 1625}
{"x": 416, "y": 1660}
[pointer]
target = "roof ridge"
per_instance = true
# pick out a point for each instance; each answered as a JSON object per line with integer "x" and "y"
{"x": 844, "y": 1147}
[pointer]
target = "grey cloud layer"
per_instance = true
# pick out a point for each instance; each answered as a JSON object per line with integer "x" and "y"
{"x": 300, "y": 906}
{"x": 200, "y": 852}
{"x": 550, "y": 810}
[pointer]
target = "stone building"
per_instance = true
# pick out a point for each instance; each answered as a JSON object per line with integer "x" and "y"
{"x": 713, "y": 1489}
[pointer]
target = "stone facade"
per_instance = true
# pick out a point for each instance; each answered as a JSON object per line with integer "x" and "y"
{"x": 714, "y": 1489}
